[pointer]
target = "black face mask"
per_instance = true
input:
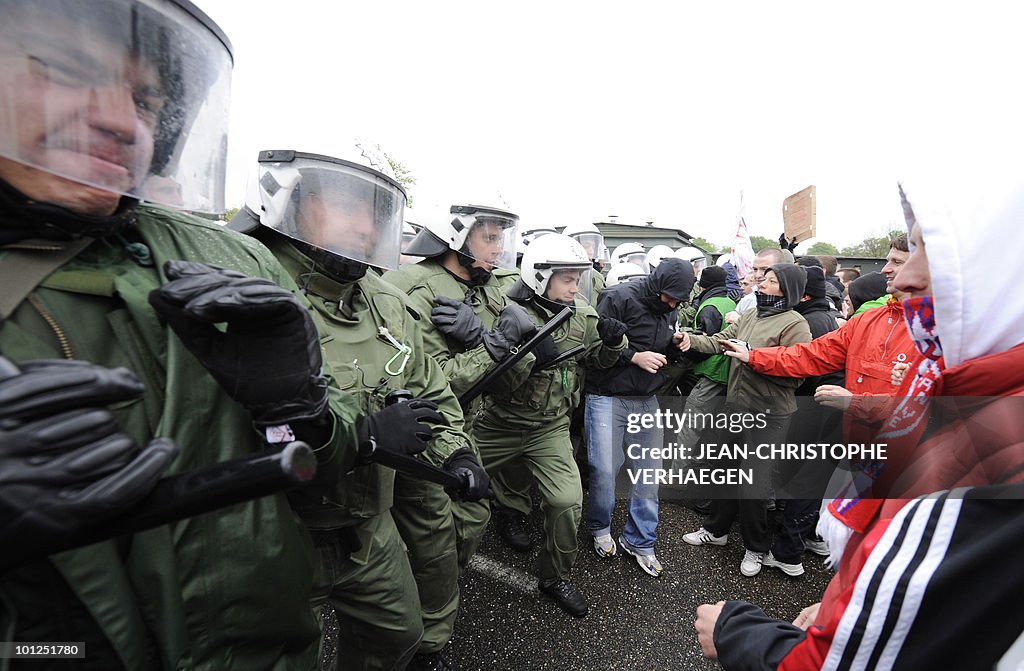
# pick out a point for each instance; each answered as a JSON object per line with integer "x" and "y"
{"x": 22, "y": 218}
{"x": 656, "y": 305}
{"x": 477, "y": 276}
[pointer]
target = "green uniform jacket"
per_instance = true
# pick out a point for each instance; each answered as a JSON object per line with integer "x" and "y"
{"x": 427, "y": 279}
{"x": 225, "y": 590}
{"x": 753, "y": 391}
{"x": 550, "y": 395}
{"x": 359, "y": 317}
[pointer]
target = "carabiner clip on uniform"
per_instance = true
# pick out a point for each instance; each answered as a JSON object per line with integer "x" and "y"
{"x": 404, "y": 351}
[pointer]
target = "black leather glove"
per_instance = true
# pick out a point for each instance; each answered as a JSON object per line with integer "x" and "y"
{"x": 477, "y": 483}
{"x": 268, "y": 359}
{"x": 611, "y": 330}
{"x": 457, "y": 321}
{"x": 65, "y": 464}
{"x": 546, "y": 351}
{"x": 786, "y": 244}
{"x": 512, "y": 328}
{"x": 403, "y": 428}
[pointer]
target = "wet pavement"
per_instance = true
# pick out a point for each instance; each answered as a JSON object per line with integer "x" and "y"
{"x": 636, "y": 622}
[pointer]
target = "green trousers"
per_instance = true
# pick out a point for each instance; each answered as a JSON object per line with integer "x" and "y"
{"x": 374, "y": 595}
{"x": 547, "y": 454}
{"x": 423, "y": 514}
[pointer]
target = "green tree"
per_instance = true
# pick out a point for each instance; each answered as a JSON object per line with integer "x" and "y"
{"x": 824, "y": 249}
{"x": 403, "y": 175}
{"x": 704, "y": 244}
{"x": 873, "y": 247}
{"x": 759, "y": 243}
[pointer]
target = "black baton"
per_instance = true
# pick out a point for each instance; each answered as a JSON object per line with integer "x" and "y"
{"x": 200, "y": 491}
{"x": 514, "y": 357}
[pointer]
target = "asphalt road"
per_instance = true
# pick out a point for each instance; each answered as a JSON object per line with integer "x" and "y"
{"x": 636, "y": 622}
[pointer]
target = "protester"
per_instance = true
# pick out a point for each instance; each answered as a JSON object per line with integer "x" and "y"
{"x": 847, "y": 275}
{"x": 647, "y": 307}
{"x": 866, "y": 292}
{"x": 773, "y": 323}
{"x": 763, "y": 261}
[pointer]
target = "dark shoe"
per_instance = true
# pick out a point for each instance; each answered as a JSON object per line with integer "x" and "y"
{"x": 567, "y": 597}
{"x": 513, "y": 529}
{"x": 699, "y": 506}
{"x": 432, "y": 661}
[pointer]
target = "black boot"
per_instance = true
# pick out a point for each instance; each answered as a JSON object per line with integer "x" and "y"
{"x": 567, "y": 597}
{"x": 513, "y": 529}
{"x": 432, "y": 661}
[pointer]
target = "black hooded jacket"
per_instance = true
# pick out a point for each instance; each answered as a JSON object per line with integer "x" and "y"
{"x": 650, "y": 322}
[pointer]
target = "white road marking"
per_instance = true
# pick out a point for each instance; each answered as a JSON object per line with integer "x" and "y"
{"x": 514, "y": 578}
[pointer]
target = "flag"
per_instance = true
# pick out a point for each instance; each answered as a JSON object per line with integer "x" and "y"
{"x": 742, "y": 251}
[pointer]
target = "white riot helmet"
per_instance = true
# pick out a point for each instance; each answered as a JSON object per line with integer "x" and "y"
{"x": 591, "y": 238}
{"x": 630, "y": 252}
{"x": 409, "y": 232}
{"x": 624, "y": 272}
{"x": 655, "y": 255}
{"x": 695, "y": 257}
{"x": 352, "y": 209}
{"x": 530, "y": 232}
{"x": 552, "y": 253}
{"x": 480, "y": 232}
{"x": 128, "y": 96}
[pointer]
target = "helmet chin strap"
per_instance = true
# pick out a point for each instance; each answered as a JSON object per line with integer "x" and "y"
{"x": 24, "y": 218}
{"x": 336, "y": 267}
{"x": 477, "y": 276}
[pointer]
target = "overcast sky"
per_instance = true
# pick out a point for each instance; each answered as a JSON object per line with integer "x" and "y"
{"x": 661, "y": 112}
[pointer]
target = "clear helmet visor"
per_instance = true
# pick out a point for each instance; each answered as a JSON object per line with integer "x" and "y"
{"x": 636, "y": 258}
{"x": 130, "y": 96}
{"x": 593, "y": 243}
{"x": 491, "y": 238}
{"x": 340, "y": 207}
{"x": 575, "y": 282}
{"x": 698, "y": 266}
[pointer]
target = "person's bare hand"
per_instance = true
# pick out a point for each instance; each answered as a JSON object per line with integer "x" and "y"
{"x": 898, "y": 371}
{"x": 806, "y": 617}
{"x": 649, "y": 361}
{"x": 833, "y": 396}
{"x": 735, "y": 351}
{"x": 707, "y": 618}
{"x": 682, "y": 341}
{"x": 732, "y": 317}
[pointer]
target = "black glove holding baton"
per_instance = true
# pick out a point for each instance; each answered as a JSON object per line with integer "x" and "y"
{"x": 65, "y": 464}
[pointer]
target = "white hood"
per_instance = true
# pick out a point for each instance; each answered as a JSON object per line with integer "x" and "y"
{"x": 973, "y": 229}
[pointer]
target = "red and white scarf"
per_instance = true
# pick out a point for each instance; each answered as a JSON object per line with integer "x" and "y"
{"x": 853, "y": 512}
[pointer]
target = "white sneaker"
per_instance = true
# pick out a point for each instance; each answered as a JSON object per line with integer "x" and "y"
{"x": 817, "y": 547}
{"x": 648, "y": 563}
{"x": 604, "y": 546}
{"x": 789, "y": 569}
{"x": 704, "y": 537}
{"x": 751, "y": 564}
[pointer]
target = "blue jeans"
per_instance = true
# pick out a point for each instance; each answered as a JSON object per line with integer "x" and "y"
{"x": 605, "y": 421}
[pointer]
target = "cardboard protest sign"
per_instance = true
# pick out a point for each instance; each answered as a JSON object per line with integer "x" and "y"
{"x": 798, "y": 214}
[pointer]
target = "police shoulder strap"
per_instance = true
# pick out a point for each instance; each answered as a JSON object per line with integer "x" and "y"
{"x": 23, "y": 266}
